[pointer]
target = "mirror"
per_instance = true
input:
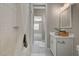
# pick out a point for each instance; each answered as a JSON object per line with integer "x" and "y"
{"x": 65, "y": 19}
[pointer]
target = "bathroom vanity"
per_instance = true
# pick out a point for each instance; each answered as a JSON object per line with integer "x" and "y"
{"x": 61, "y": 45}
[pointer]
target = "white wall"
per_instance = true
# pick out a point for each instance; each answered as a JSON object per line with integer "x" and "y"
{"x": 52, "y": 19}
{"x": 75, "y": 25}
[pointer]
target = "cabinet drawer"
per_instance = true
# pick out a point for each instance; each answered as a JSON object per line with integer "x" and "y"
{"x": 64, "y": 47}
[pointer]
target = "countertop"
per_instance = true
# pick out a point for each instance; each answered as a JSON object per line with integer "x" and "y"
{"x": 71, "y": 35}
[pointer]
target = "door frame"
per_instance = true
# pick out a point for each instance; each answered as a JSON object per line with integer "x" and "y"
{"x": 32, "y": 23}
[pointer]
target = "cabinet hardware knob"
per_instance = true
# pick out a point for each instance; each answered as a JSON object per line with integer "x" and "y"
{"x": 61, "y": 42}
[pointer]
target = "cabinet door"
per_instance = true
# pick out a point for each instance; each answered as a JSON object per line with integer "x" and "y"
{"x": 53, "y": 45}
{"x": 64, "y": 47}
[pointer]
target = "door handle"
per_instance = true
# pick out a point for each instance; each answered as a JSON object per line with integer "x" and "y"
{"x": 16, "y": 27}
{"x": 25, "y": 41}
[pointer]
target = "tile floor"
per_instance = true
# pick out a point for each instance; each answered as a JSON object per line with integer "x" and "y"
{"x": 39, "y": 49}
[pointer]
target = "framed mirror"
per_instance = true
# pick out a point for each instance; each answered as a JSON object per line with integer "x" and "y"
{"x": 65, "y": 21}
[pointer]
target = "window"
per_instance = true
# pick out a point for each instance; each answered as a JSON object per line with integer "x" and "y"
{"x": 37, "y": 18}
{"x": 36, "y": 26}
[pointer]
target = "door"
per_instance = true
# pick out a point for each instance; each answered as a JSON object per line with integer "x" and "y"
{"x": 38, "y": 28}
{"x": 7, "y": 30}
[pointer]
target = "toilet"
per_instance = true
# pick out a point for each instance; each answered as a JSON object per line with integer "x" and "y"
{"x": 77, "y": 48}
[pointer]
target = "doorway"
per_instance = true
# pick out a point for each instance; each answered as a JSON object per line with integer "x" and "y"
{"x": 39, "y": 41}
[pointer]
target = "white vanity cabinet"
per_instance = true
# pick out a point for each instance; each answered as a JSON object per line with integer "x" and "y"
{"x": 61, "y": 46}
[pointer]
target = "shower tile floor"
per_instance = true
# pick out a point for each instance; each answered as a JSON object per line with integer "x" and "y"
{"x": 39, "y": 49}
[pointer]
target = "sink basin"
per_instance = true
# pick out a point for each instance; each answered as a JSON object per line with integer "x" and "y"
{"x": 62, "y": 33}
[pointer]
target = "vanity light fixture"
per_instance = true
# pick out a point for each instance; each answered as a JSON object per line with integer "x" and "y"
{"x": 66, "y": 5}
